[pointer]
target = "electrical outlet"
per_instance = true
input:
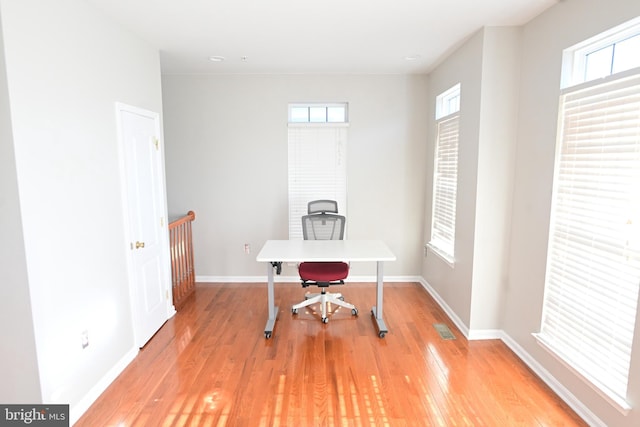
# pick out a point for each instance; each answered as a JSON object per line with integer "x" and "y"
{"x": 247, "y": 248}
{"x": 84, "y": 339}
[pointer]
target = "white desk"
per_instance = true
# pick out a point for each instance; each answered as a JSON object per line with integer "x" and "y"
{"x": 325, "y": 250}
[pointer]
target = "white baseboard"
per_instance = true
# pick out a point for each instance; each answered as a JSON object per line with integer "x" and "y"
{"x": 240, "y": 279}
{"x": 485, "y": 334}
{"x": 296, "y": 279}
{"x": 77, "y": 410}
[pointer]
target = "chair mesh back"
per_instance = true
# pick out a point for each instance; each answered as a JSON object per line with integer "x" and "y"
{"x": 322, "y": 206}
{"x": 323, "y": 227}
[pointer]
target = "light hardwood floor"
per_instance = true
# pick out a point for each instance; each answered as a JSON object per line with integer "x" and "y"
{"x": 210, "y": 365}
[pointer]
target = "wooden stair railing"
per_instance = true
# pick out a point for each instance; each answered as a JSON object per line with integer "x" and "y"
{"x": 183, "y": 276}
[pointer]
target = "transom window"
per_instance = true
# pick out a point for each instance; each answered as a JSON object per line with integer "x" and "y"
{"x": 612, "y": 52}
{"x": 318, "y": 113}
{"x": 448, "y": 102}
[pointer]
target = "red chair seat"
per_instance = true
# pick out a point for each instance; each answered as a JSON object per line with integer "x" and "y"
{"x": 323, "y": 271}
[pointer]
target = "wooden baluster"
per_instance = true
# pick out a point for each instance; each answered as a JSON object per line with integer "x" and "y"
{"x": 190, "y": 260}
{"x": 177, "y": 261}
{"x": 172, "y": 247}
{"x": 182, "y": 265}
{"x": 191, "y": 279}
{"x": 181, "y": 261}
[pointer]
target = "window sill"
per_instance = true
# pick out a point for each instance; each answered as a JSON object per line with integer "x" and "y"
{"x": 451, "y": 262}
{"x": 617, "y": 402}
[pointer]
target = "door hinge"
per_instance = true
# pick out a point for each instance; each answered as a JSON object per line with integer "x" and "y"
{"x": 167, "y": 292}
{"x": 155, "y": 142}
{"x": 161, "y": 221}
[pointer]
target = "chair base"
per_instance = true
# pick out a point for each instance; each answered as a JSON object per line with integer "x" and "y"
{"x": 324, "y": 298}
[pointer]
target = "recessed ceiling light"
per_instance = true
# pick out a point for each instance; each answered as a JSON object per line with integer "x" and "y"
{"x": 411, "y": 57}
{"x": 216, "y": 58}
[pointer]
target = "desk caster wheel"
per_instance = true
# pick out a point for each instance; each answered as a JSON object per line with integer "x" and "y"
{"x": 294, "y": 310}
{"x": 325, "y": 320}
{"x": 267, "y": 335}
{"x": 381, "y": 334}
{"x": 354, "y": 311}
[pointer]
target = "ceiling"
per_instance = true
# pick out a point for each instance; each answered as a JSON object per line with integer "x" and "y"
{"x": 306, "y": 36}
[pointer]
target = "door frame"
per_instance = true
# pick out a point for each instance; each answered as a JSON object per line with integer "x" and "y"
{"x": 128, "y": 238}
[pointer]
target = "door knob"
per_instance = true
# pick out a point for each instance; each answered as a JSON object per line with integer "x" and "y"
{"x": 139, "y": 245}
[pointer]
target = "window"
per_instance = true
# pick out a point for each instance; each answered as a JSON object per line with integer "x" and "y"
{"x": 318, "y": 113}
{"x": 317, "y": 159}
{"x": 593, "y": 260}
{"x": 445, "y": 179}
{"x": 448, "y": 102}
{"x": 610, "y": 53}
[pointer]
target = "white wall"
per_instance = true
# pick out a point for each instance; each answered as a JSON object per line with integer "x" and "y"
{"x": 496, "y": 153}
{"x": 454, "y": 283}
{"x": 487, "y": 68}
{"x": 544, "y": 39}
{"x": 18, "y": 363}
{"x": 67, "y": 64}
{"x": 226, "y": 139}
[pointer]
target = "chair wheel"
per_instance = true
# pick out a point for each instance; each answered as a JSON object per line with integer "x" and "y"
{"x": 325, "y": 320}
{"x": 354, "y": 311}
{"x": 381, "y": 334}
{"x": 267, "y": 335}
{"x": 294, "y": 310}
{"x": 341, "y": 298}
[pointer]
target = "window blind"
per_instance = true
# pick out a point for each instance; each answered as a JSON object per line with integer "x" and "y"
{"x": 443, "y": 223}
{"x": 593, "y": 261}
{"x": 317, "y": 169}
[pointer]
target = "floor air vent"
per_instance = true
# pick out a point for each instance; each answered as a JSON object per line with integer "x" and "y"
{"x": 444, "y": 331}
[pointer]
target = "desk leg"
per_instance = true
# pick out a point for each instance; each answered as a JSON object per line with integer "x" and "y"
{"x": 377, "y": 309}
{"x": 273, "y": 310}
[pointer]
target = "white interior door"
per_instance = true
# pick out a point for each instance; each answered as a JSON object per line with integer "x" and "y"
{"x": 146, "y": 210}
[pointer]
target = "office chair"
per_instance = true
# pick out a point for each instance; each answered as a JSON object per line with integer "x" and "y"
{"x": 323, "y": 223}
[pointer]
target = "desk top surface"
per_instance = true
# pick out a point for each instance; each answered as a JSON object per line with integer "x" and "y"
{"x": 325, "y": 250}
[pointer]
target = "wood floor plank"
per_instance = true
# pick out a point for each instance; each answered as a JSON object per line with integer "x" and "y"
{"x": 210, "y": 365}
